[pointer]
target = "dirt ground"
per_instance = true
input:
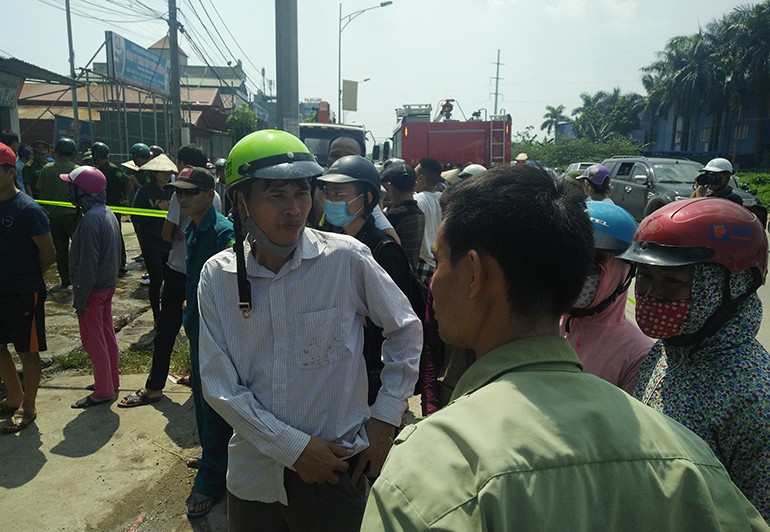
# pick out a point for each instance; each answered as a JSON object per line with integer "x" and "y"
{"x": 102, "y": 468}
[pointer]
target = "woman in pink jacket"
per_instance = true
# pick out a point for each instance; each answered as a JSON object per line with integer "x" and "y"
{"x": 608, "y": 344}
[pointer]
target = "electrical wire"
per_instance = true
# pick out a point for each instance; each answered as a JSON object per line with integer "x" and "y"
{"x": 245, "y": 55}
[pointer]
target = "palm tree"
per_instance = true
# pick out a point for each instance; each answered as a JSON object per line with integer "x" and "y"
{"x": 746, "y": 53}
{"x": 714, "y": 72}
{"x": 553, "y": 116}
{"x": 606, "y": 115}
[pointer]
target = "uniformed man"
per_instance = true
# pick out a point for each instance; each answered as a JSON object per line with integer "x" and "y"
{"x": 40, "y": 151}
{"x": 118, "y": 189}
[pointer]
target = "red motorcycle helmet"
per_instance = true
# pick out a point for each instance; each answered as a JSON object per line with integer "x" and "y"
{"x": 699, "y": 230}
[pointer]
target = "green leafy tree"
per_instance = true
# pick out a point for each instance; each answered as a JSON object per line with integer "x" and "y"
{"x": 715, "y": 72}
{"x": 604, "y": 116}
{"x": 747, "y": 61}
{"x": 242, "y": 121}
{"x": 566, "y": 151}
{"x": 552, "y": 117}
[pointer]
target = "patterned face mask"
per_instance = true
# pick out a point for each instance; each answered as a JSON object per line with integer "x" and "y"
{"x": 661, "y": 319}
{"x": 588, "y": 294}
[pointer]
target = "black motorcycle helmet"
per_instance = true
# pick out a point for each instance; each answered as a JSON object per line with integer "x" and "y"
{"x": 355, "y": 169}
{"x": 100, "y": 150}
{"x": 66, "y": 146}
{"x": 156, "y": 150}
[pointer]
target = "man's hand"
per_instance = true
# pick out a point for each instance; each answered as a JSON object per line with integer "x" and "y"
{"x": 700, "y": 192}
{"x": 380, "y": 436}
{"x": 319, "y": 461}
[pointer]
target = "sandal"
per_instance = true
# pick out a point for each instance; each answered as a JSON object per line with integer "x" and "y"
{"x": 199, "y": 504}
{"x": 139, "y": 398}
{"x": 194, "y": 462}
{"x": 5, "y": 410}
{"x": 18, "y": 421}
{"x": 88, "y": 401}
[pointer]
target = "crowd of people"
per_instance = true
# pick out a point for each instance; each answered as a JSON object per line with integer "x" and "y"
{"x": 318, "y": 300}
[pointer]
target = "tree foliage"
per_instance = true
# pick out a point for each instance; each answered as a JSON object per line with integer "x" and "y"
{"x": 715, "y": 72}
{"x": 560, "y": 154}
{"x": 605, "y": 116}
{"x": 242, "y": 121}
{"x": 552, "y": 117}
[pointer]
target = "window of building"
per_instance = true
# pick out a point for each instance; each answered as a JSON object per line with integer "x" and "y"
{"x": 742, "y": 132}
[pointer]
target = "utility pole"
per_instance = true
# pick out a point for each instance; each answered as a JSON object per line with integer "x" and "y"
{"x": 176, "y": 98}
{"x": 287, "y": 65}
{"x": 497, "y": 79}
{"x": 75, "y": 117}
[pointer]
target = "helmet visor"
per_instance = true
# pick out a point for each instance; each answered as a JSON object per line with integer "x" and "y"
{"x": 662, "y": 255}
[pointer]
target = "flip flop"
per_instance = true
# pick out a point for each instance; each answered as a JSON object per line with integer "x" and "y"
{"x": 88, "y": 401}
{"x": 19, "y": 421}
{"x": 138, "y": 398}
{"x": 194, "y": 462}
{"x": 199, "y": 504}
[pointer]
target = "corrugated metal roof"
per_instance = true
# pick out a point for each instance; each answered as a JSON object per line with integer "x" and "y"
{"x": 43, "y": 112}
{"x": 30, "y": 72}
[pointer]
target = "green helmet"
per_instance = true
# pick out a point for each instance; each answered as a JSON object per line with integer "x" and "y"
{"x": 269, "y": 154}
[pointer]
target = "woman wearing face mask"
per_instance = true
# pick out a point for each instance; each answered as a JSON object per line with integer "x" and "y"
{"x": 699, "y": 264}
{"x": 608, "y": 344}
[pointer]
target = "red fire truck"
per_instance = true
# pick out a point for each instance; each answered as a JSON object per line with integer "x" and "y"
{"x": 450, "y": 141}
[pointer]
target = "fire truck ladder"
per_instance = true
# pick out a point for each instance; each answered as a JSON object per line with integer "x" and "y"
{"x": 497, "y": 139}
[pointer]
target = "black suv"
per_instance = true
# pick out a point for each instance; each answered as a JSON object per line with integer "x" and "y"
{"x": 642, "y": 185}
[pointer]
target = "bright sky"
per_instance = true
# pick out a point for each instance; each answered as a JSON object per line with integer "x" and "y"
{"x": 413, "y": 51}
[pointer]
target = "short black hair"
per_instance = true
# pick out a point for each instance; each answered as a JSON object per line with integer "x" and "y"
{"x": 431, "y": 169}
{"x": 540, "y": 236}
{"x": 604, "y": 188}
{"x": 192, "y": 155}
{"x": 8, "y": 137}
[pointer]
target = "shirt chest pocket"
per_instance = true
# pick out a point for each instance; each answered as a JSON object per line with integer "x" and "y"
{"x": 321, "y": 343}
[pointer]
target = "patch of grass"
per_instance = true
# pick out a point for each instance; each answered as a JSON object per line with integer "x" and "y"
{"x": 136, "y": 359}
{"x": 759, "y": 183}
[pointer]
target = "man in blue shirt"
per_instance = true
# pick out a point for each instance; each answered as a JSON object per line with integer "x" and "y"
{"x": 26, "y": 251}
{"x": 208, "y": 233}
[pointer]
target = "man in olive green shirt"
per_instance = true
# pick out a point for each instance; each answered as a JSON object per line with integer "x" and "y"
{"x": 63, "y": 220}
{"x": 528, "y": 441}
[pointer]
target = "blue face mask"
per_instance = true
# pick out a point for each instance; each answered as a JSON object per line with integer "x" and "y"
{"x": 336, "y": 212}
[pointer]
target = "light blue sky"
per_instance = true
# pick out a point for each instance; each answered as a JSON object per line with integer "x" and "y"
{"x": 414, "y": 51}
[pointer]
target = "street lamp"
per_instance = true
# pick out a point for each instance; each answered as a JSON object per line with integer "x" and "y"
{"x": 343, "y": 23}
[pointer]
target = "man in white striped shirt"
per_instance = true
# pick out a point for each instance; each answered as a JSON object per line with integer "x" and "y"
{"x": 284, "y": 367}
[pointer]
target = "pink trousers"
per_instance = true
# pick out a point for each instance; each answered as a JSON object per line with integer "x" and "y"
{"x": 98, "y": 337}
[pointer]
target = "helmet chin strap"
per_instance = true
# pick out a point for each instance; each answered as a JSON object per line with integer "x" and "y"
{"x": 721, "y": 315}
{"x": 256, "y": 234}
{"x": 249, "y": 227}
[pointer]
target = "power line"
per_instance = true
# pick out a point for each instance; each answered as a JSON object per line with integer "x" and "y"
{"x": 245, "y": 55}
{"x": 206, "y": 29}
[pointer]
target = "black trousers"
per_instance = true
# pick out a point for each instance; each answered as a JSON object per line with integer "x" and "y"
{"x": 63, "y": 223}
{"x": 166, "y": 330}
{"x": 311, "y": 508}
{"x": 154, "y": 261}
